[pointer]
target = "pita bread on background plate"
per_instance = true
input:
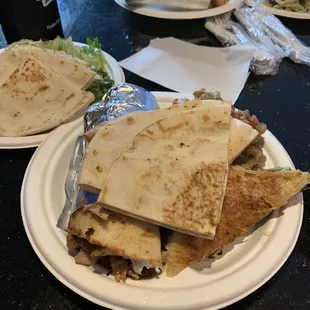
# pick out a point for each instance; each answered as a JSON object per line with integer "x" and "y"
{"x": 74, "y": 70}
{"x": 35, "y": 99}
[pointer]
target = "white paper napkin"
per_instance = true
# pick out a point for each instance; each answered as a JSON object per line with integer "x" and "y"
{"x": 185, "y": 67}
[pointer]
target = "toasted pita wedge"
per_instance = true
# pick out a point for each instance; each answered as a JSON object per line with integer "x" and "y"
{"x": 104, "y": 149}
{"x": 117, "y": 234}
{"x": 174, "y": 173}
{"x": 116, "y": 136}
{"x": 74, "y": 70}
{"x": 35, "y": 99}
{"x": 250, "y": 197}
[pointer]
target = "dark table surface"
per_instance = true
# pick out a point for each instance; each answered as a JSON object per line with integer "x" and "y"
{"x": 282, "y": 101}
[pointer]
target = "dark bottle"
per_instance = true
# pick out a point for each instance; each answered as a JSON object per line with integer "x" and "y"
{"x": 30, "y": 19}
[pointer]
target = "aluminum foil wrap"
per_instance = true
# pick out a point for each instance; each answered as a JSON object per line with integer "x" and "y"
{"x": 266, "y": 58}
{"x": 173, "y": 4}
{"x": 283, "y": 37}
{"x": 71, "y": 185}
{"x": 119, "y": 100}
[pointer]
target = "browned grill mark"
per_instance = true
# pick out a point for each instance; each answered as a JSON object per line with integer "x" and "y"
{"x": 99, "y": 169}
{"x": 205, "y": 118}
{"x": 172, "y": 128}
{"x": 221, "y": 124}
{"x": 200, "y": 200}
{"x": 130, "y": 120}
{"x": 105, "y": 133}
{"x": 146, "y": 175}
{"x": 43, "y": 88}
{"x": 70, "y": 96}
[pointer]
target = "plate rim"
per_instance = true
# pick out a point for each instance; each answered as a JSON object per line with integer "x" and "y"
{"x": 34, "y": 140}
{"x": 182, "y": 15}
{"x": 88, "y": 296}
{"x": 288, "y": 14}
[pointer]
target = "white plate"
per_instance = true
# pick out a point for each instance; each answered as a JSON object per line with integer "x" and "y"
{"x": 288, "y": 14}
{"x": 116, "y": 73}
{"x": 174, "y": 14}
{"x": 238, "y": 273}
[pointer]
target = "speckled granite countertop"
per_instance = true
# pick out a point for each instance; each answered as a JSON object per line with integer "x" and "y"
{"x": 282, "y": 101}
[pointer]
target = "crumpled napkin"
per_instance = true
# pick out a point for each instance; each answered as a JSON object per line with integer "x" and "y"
{"x": 186, "y": 67}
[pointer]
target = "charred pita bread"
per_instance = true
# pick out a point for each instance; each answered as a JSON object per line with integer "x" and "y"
{"x": 250, "y": 197}
{"x": 42, "y": 100}
{"x": 113, "y": 138}
{"x": 174, "y": 172}
{"x": 74, "y": 70}
{"x": 117, "y": 234}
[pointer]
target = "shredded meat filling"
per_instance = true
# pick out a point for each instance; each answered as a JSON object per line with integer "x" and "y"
{"x": 88, "y": 254}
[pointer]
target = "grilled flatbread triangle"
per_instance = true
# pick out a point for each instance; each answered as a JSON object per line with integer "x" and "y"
{"x": 110, "y": 139}
{"x": 35, "y": 99}
{"x": 113, "y": 138}
{"x": 250, "y": 197}
{"x": 118, "y": 235}
{"x": 74, "y": 70}
{"x": 174, "y": 173}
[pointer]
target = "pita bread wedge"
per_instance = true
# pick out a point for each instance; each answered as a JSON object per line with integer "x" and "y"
{"x": 241, "y": 136}
{"x": 114, "y": 137}
{"x": 118, "y": 235}
{"x": 250, "y": 197}
{"x": 174, "y": 172}
{"x": 35, "y": 99}
{"x": 75, "y": 71}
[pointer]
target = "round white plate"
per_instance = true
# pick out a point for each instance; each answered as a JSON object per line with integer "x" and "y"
{"x": 288, "y": 14}
{"x": 115, "y": 72}
{"x": 169, "y": 14}
{"x": 202, "y": 286}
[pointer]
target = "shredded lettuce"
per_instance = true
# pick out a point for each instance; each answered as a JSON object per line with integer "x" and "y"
{"x": 100, "y": 86}
{"x": 91, "y": 53}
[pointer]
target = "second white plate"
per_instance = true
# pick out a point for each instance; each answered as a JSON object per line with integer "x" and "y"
{"x": 209, "y": 285}
{"x": 169, "y": 14}
{"x": 289, "y": 14}
{"x": 115, "y": 72}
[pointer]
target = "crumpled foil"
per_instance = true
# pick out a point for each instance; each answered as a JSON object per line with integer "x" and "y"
{"x": 283, "y": 37}
{"x": 71, "y": 184}
{"x": 256, "y": 30}
{"x": 119, "y": 100}
{"x": 173, "y": 4}
{"x": 267, "y": 56}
